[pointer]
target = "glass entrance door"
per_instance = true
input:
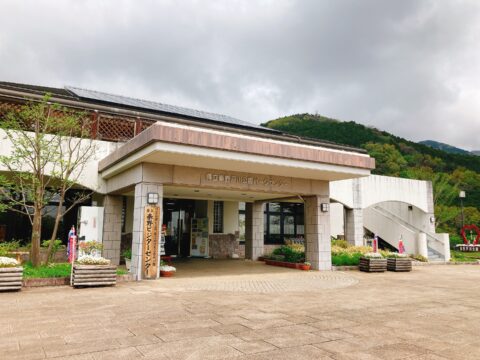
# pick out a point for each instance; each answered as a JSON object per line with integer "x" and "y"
{"x": 177, "y": 217}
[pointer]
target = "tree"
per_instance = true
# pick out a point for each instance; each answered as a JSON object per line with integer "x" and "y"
{"x": 75, "y": 152}
{"x": 389, "y": 161}
{"x": 38, "y": 163}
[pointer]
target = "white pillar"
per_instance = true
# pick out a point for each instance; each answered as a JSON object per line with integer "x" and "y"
{"x": 254, "y": 230}
{"x": 422, "y": 244}
{"x": 141, "y": 191}
{"x": 112, "y": 228}
{"x": 354, "y": 226}
{"x": 317, "y": 232}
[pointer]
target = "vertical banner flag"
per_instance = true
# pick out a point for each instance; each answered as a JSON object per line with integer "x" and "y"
{"x": 401, "y": 247}
{"x": 375, "y": 243}
{"x": 151, "y": 221}
{"x": 72, "y": 245}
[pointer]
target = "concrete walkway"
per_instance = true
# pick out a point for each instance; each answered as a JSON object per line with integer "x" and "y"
{"x": 430, "y": 313}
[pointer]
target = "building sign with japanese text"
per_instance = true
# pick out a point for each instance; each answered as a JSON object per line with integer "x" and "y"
{"x": 246, "y": 180}
{"x": 151, "y": 222}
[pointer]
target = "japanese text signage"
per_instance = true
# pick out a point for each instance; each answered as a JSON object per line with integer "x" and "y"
{"x": 151, "y": 222}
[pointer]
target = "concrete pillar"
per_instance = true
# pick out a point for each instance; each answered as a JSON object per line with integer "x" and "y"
{"x": 140, "y": 201}
{"x": 317, "y": 233}
{"x": 354, "y": 226}
{"x": 254, "y": 230}
{"x": 422, "y": 244}
{"x": 112, "y": 228}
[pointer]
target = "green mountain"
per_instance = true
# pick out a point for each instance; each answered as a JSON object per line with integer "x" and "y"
{"x": 445, "y": 147}
{"x": 353, "y": 134}
{"x": 396, "y": 156}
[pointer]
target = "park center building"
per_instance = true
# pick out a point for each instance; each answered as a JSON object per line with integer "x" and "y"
{"x": 224, "y": 187}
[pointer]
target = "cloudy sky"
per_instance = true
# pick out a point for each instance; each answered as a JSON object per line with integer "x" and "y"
{"x": 408, "y": 67}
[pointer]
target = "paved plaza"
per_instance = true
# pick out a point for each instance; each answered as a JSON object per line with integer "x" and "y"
{"x": 247, "y": 310}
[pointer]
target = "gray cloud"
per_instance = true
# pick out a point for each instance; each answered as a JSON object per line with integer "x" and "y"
{"x": 408, "y": 67}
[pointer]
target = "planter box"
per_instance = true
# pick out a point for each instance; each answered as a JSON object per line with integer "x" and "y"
{"x": 55, "y": 281}
{"x": 399, "y": 264}
{"x": 167, "y": 273}
{"x": 94, "y": 275}
{"x": 11, "y": 278}
{"x": 286, "y": 264}
{"x": 372, "y": 265}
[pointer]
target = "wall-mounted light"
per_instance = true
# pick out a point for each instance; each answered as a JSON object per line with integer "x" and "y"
{"x": 324, "y": 207}
{"x": 152, "y": 198}
{"x": 432, "y": 219}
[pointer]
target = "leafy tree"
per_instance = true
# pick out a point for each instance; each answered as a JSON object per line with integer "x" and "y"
{"x": 38, "y": 164}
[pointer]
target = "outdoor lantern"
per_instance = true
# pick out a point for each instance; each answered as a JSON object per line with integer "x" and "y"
{"x": 324, "y": 207}
{"x": 462, "y": 194}
{"x": 432, "y": 219}
{"x": 152, "y": 198}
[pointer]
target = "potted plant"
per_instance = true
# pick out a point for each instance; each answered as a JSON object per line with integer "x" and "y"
{"x": 11, "y": 274}
{"x": 91, "y": 270}
{"x": 166, "y": 270}
{"x": 399, "y": 262}
{"x": 305, "y": 266}
{"x": 372, "y": 262}
{"x": 127, "y": 255}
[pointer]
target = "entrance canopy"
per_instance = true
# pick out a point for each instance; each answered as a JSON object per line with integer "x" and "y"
{"x": 188, "y": 146}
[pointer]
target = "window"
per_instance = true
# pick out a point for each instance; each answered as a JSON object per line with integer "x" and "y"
{"x": 241, "y": 222}
{"x": 283, "y": 221}
{"x": 218, "y": 216}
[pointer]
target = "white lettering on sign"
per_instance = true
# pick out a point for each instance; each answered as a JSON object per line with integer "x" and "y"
{"x": 245, "y": 180}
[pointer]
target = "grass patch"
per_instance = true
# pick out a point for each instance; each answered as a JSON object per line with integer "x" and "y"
{"x": 460, "y": 256}
{"x": 122, "y": 271}
{"x": 49, "y": 271}
{"x": 53, "y": 270}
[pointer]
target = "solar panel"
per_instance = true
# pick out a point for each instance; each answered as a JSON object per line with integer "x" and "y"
{"x": 165, "y": 108}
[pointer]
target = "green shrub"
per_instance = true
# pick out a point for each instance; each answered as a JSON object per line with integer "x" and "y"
{"x": 290, "y": 254}
{"x": 9, "y": 246}
{"x": 346, "y": 259}
{"x": 341, "y": 243}
{"x": 127, "y": 254}
{"x": 57, "y": 244}
{"x": 455, "y": 239}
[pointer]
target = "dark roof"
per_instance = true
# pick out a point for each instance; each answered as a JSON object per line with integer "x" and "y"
{"x": 158, "y": 107}
{"x": 85, "y": 95}
{"x": 97, "y": 97}
{"x": 40, "y": 90}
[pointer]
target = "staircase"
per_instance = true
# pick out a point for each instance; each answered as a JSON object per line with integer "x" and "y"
{"x": 391, "y": 227}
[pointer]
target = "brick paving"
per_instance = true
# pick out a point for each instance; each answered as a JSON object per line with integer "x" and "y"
{"x": 430, "y": 313}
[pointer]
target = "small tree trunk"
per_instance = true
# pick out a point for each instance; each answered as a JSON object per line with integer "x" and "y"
{"x": 36, "y": 235}
{"x": 58, "y": 217}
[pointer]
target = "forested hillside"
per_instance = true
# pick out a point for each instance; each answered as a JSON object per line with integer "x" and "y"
{"x": 396, "y": 156}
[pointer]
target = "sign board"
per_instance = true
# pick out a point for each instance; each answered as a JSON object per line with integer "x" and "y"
{"x": 151, "y": 223}
{"x": 199, "y": 238}
{"x": 90, "y": 223}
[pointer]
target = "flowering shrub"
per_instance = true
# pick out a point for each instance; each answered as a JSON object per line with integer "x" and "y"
{"x": 90, "y": 260}
{"x": 396, "y": 255}
{"x": 167, "y": 268}
{"x": 89, "y": 247}
{"x": 7, "y": 262}
{"x": 339, "y": 250}
{"x": 372, "y": 255}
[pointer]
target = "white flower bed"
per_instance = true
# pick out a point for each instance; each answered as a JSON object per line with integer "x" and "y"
{"x": 167, "y": 268}
{"x": 373, "y": 255}
{"x": 397, "y": 255}
{"x": 92, "y": 260}
{"x": 8, "y": 262}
